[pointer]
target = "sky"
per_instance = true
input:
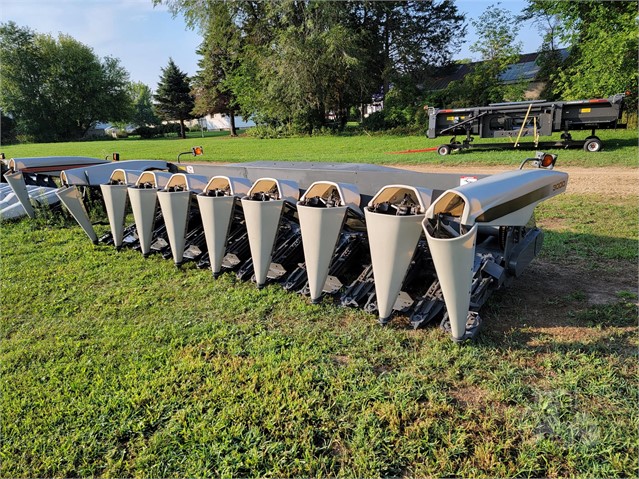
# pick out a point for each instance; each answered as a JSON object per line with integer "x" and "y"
{"x": 143, "y": 37}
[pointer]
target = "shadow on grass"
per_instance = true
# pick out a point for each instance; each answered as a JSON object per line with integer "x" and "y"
{"x": 569, "y": 305}
{"x": 619, "y": 143}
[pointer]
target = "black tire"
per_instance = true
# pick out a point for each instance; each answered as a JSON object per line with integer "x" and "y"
{"x": 443, "y": 150}
{"x": 593, "y": 145}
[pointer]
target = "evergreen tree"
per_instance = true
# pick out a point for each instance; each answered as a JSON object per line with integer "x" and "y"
{"x": 173, "y": 98}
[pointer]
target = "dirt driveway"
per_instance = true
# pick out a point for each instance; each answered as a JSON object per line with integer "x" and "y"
{"x": 621, "y": 181}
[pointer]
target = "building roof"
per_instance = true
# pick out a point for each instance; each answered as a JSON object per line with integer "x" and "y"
{"x": 525, "y": 69}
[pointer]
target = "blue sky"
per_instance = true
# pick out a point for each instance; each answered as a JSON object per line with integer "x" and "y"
{"x": 143, "y": 37}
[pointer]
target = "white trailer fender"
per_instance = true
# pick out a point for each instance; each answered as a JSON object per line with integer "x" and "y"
{"x": 10, "y": 206}
{"x": 5, "y": 190}
{"x": 217, "y": 211}
{"x": 263, "y": 219}
{"x": 321, "y": 227}
{"x": 392, "y": 241}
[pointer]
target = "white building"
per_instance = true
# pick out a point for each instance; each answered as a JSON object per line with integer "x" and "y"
{"x": 219, "y": 122}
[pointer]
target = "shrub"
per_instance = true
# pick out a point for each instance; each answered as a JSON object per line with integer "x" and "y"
{"x": 8, "y": 130}
{"x": 169, "y": 128}
{"x": 375, "y": 121}
{"x": 269, "y": 131}
{"x": 147, "y": 132}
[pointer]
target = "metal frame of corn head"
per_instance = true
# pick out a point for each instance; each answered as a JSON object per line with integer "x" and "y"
{"x": 30, "y": 182}
{"x": 35, "y": 181}
{"x": 431, "y": 246}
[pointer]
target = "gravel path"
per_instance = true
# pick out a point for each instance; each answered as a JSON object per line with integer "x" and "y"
{"x": 614, "y": 180}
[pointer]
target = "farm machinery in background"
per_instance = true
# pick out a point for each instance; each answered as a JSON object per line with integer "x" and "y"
{"x": 429, "y": 246}
{"x": 526, "y": 119}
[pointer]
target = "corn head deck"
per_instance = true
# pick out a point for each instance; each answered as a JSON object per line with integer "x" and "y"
{"x": 430, "y": 246}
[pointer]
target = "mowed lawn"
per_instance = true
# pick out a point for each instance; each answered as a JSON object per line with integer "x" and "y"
{"x": 620, "y": 149}
{"x": 120, "y": 366}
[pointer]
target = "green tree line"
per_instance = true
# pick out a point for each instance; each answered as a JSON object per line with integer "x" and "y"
{"x": 308, "y": 65}
{"x": 57, "y": 88}
{"x": 602, "y": 40}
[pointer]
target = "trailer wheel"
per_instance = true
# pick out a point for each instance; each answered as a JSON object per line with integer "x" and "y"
{"x": 593, "y": 145}
{"x": 443, "y": 150}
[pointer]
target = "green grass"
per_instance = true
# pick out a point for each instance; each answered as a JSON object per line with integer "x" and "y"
{"x": 620, "y": 150}
{"x": 583, "y": 227}
{"x": 120, "y": 366}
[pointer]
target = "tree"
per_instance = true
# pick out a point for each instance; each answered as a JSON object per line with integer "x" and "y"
{"x": 404, "y": 37}
{"x": 307, "y": 62}
{"x": 220, "y": 52}
{"x": 303, "y": 92}
{"x": 496, "y": 30}
{"x": 173, "y": 98}
{"x": 57, "y": 88}
{"x": 603, "y": 39}
{"x": 7, "y": 130}
{"x": 142, "y": 105}
{"x": 550, "y": 59}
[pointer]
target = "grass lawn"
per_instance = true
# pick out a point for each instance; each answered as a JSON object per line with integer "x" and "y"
{"x": 120, "y": 366}
{"x": 620, "y": 149}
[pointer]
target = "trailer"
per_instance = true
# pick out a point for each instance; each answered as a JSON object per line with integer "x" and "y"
{"x": 526, "y": 119}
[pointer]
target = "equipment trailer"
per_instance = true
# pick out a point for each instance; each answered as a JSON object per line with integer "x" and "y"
{"x": 527, "y": 118}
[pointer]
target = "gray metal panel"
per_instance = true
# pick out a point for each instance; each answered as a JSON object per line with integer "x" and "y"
{"x": 55, "y": 161}
{"x": 368, "y": 178}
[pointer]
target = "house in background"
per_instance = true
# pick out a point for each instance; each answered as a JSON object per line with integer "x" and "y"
{"x": 219, "y": 122}
{"x": 526, "y": 70}
{"x": 100, "y": 130}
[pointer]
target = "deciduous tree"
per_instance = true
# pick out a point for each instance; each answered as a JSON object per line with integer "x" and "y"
{"x": 57, "y": 88}
{"x": 221, "y": 57}
{"x": 306, "y": 62}
{"x": 404, "y": 37}
{"x": 603, "y": 40}
{"x": 142, "y": 100}
{"x": 496, "y": 30}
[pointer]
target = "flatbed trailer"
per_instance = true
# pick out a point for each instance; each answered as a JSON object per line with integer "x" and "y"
{"x": 517, "y": 120}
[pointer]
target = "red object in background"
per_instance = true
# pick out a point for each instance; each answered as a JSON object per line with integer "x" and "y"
{"x": 425, "y": 150}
